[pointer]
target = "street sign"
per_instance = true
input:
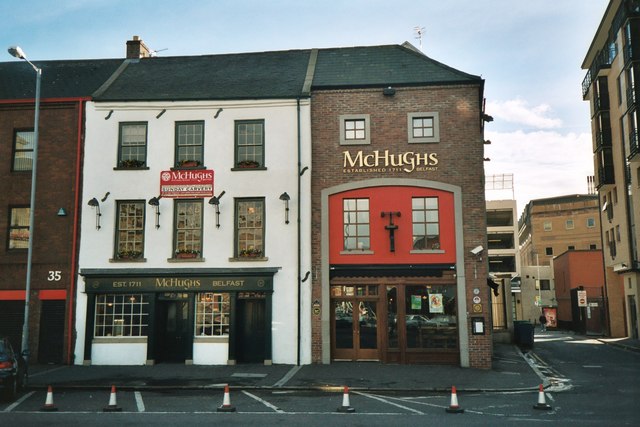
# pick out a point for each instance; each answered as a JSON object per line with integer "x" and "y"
{"x": 582, "y": 298}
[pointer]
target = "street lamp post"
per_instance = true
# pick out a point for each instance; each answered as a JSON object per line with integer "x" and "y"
{"x": 18, "y": 53}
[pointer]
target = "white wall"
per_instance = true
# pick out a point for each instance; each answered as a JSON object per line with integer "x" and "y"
{"x": 281, "y": 161}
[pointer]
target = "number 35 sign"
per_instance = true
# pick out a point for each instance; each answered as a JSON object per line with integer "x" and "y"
{"x": 54, "y": 276}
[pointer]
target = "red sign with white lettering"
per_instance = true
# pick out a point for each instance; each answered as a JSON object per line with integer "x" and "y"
{"x": 186, "y": 184}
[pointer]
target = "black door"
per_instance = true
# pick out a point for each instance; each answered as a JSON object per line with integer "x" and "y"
{"x": 51, "y": 341}
{"x": 173, "y": 331}
{"x": 251, "y": 333}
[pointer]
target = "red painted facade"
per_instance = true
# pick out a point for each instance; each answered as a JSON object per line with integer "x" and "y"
{"x": 392, "y": 199}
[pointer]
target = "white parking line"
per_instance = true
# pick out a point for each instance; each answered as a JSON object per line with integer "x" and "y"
{"x": 264, "y": 402}
{"x": 287, "y": 377}
{"x": 19, "y": 401}
{"x": 139, "y": 401}
{"x": 378, "y": 398}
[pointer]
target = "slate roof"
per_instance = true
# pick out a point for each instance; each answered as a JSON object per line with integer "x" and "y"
{"x": 380, "y": 66}
{"x": 255, "y": 75}
{"x": 60, "y": 79}
{"x": 232, "y": 76}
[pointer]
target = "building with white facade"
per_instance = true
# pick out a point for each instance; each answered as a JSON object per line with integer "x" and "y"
{"x": 196, "y": 221}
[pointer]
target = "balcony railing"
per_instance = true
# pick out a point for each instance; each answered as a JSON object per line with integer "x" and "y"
{"x": 634, "y": 149}
{"x": 603, "y": 139}
{"x": 605, "y": 177}
{"x": 602, "y": 60}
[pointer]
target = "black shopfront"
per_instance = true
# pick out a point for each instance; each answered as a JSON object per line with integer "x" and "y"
{"x": 171, "y": 310}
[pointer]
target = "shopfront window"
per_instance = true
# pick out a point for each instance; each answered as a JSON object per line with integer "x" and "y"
{"x": 212, "y": 314}
{"x": 121, "y": 315}
{"x": 430, "y": 317}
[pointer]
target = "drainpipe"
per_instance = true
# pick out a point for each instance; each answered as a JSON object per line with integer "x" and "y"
{"x": 298, "y": 231}
{"x": 74, "y": 239}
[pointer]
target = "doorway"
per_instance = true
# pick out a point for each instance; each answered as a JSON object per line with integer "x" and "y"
{"x": 51, "y": 340}
{"x": 173, "y": 332}
{"x": 355, "y": 323}
{"x": 251, "y": 329}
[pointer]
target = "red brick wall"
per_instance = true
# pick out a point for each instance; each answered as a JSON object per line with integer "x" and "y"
{"x": 56, "y": 181}
{"x": 460, "y": 155}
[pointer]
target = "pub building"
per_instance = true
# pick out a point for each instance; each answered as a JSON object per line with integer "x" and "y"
{"x": 192, "y": 206}
{"x": 399, "y": 227}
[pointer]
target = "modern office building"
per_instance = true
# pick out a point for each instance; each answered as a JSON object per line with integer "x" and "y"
{"x": 610, "y": 86}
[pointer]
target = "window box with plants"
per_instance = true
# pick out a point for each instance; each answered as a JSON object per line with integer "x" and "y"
{"x": 250, "y": 253}
{"x": 188, "y": 163}
{"x": 129, "y": 255}
{"x": 131, "y": 164}
{"x": 187, "y": 253}
{"x": 248, "y": 164}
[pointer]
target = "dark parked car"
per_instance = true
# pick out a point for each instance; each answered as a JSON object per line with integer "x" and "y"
{"x": 13, "y": 370}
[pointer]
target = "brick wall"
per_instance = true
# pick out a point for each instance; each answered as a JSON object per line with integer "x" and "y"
{"x": 56, "y": 180}
{"x": 460, "y": 155}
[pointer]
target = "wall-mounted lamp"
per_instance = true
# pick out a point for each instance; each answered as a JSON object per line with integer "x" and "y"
{"x": 62, "y": 212}
{"x": 94, "y": 203}
{"x": 285, "y": 198}
{"x": 215, "y": 201}
{"x": 388, "y": 91}
{"x": 155, "y": 202}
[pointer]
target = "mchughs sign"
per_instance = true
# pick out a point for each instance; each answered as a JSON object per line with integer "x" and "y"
{"x": 383, "y": 161}
{"x": 186, "y": 183}
{"x": 130, "y": 284}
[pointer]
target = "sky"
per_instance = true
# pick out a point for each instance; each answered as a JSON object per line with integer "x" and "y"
{"x": 529, "y": 53}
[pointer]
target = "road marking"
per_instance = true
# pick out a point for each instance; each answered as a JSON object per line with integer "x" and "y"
{"x": 243, "y": 375}
{"x": 380, "y": 399}
{"x": 264, "y": 402}
{"x": 19, "y": 401}
{"x": 139, "y": 401}
{"x": 288, "y": 376}
{"x": 592, "y": 366}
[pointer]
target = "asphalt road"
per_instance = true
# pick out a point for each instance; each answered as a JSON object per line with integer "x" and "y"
{"x": 592, "y": 384}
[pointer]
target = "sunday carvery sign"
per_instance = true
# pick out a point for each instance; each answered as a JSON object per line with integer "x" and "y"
{"x": 186, "y": 183}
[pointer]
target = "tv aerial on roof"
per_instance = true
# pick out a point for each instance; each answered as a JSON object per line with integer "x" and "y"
{"x": 155, "y": 52}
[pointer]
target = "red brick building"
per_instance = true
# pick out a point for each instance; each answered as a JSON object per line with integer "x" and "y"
{"x": 581, "y": 270}
{"x": 66, "y": 85}
{"x": 399, "y": 228}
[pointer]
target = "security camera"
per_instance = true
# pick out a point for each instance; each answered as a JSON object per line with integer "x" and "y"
{"x": 477, "y": 250}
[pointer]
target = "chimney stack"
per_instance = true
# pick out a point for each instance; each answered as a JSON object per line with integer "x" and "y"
{"x": 136, "y": 49}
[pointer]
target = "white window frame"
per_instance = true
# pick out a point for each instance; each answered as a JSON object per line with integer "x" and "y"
{"x": 434, "y": 115}
{"x": 121, "y": 315}
{"x": 212, "y": 314}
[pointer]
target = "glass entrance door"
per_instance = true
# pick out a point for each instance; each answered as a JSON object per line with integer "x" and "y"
{"x": 355, "y": 323}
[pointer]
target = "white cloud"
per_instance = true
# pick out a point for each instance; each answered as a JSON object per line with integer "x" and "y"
{"x": 518, "y": 111}
{"x": 544, "y": 163}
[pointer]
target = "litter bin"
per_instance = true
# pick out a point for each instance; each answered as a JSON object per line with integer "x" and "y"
{"x": 523, "y": 333}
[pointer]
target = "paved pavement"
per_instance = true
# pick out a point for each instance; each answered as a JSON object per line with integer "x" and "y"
{"x": 512, "y": 370}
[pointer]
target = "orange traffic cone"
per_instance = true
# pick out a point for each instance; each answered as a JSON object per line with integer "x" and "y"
{"x": 454, "y": 408}
{"x": 113, "y": 406}
{"x": 542, "y": 404}
{"x": 226, "y": 402}
{"x": 346, "y": 406}
{"x": 48, "y": 403}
